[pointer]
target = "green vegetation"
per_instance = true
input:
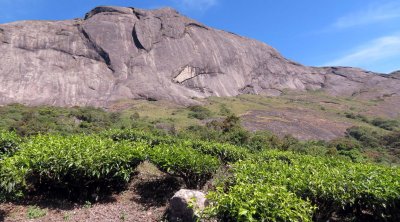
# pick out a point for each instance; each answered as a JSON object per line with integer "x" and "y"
{"x": 258, "y": 202}
{"x": 85, "y": 152}
{"x": 66, "y": 216}
{"x": 27, "y": 121}
{"x": 301, "y": 181}
{"x": 152, "y": 138}
{"x": 75, "y": 164}
{"x": 224, "y": 152}
{"x": 9, "y": 143}
{"x": 377, "y": 146}
{"x": 387, "y": 124}
{"x": 199, "y": 112}
{"x": 34, "y": 212}
{"x": 192, "y": 166}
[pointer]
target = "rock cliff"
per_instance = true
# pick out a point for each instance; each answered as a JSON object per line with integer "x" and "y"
{"x": 117, "y": 53}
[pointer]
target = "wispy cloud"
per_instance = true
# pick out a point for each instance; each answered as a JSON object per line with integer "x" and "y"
{"x": 384, "y": 50}
{"x": 374, "y": 13}
{"x": 200, "y": 5}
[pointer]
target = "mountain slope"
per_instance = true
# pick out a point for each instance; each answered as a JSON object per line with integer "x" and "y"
{"x": 117, "y": 53}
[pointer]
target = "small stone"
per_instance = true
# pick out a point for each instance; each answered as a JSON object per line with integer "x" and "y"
{"x": 185, "y": 205}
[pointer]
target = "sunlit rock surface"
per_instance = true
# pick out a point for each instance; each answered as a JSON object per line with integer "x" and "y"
{"x": 118, "y": 53}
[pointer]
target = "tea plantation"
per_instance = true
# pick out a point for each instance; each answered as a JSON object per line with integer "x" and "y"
{"x": 257, "y": 184}
{"x": 248, "y": 176}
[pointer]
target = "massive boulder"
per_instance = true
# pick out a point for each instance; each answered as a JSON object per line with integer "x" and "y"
{"x": 119, "y": 53}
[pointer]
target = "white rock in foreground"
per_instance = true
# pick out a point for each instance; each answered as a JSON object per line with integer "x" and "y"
{"x": 186, "y": 204}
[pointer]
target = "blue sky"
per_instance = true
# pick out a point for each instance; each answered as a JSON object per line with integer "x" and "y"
{"x": 361, "y": 33}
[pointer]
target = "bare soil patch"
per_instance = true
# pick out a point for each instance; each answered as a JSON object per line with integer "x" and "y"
{"x": 304, "y": 124}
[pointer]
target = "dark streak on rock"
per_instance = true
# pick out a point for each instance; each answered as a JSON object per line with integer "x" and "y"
{"x": 138, "y": 44}
{"x": 138, "y": 14}
{"x": 344, "y": 76}
{"x": 24, "y": 48}
{"x": 100, "y": 51}
{"x": 196, "y": 25}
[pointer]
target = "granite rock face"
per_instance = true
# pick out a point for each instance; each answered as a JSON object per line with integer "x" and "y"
{"x": 117, "y": 53}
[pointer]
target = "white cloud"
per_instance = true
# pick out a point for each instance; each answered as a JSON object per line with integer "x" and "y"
{"x": 380, "y": 54}
{"x": 374, "y": 13}
{"x": 197, "y": 4}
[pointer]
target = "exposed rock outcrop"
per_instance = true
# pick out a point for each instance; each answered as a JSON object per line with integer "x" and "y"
{"x": 117, "y": 53}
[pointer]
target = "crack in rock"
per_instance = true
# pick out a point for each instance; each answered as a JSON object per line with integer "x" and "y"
{"x": 189, "y": 72}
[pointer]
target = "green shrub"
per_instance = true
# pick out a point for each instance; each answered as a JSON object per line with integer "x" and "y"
{"x": 9, "y": 143}
{"x": 378, "y": 146}
{"x": 262, "y": 140}
{"x": 312, "y": 148}
{"x": 193, "y": 167}
{"x": 386, "y": 124}
{"x": 225, "y": 152}
{"x": 230, "y": 123}
{"x": 345, "y": 144}
{"x": 76, "y": 164}
{"x": 392, "y": 140}
{"x": 134, "y": 135}
{"x": 27, "y": 121}
{"x": 258, "y": 202}
{"x": 366, "y": 136}
{"x": 224, "y": 111}
{"x": 34, "y": 212}
{"x": 357, "y": 116}
{"x": 348, "y": 147}
{"x": 288, "y": 141}
{"x": 237, "y": 136}
{"x": 335, "y": 186}
{"x": 199, "y": 112}
{"x": 201, "y": 132}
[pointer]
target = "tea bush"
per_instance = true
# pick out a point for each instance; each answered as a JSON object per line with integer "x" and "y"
{"x": 75, "y": 164}
{"x": 258, "y": 202}
{"x": 224, "y": 151}
{"x": 137, "y": 135}
{"x": 194, "y": 167}
{"x": 263, "y": 140}
{"x": 9, "y": 143}
{"x": 360, "y": 190}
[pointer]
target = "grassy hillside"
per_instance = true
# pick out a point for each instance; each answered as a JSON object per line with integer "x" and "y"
{"x": 240, "y": 150}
